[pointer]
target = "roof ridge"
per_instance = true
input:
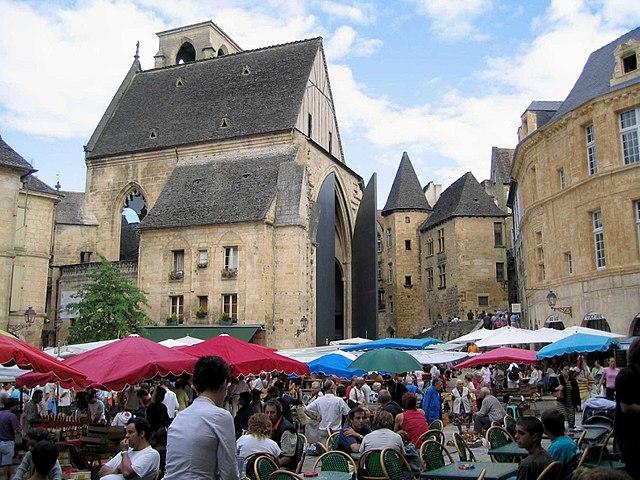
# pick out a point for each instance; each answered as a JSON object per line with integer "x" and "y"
{"x": 233, "y": 54}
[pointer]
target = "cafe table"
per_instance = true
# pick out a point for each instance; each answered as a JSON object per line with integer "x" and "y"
{"x": 592, "y": 432}
{"x": 511, "y": 450}
{"x": 326, "y": 475}
{"x": 495, "y": 471}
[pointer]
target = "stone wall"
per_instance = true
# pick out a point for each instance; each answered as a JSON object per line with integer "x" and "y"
{"x": 9, "y": 186}
{"x": 70, "y": 240}
{"x": 563, "y": 216}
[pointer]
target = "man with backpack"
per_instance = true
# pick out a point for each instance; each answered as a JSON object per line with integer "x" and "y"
{"x": 513, "y": 376}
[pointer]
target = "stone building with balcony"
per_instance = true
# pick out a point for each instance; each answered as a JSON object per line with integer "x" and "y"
{"x": 220, "y": 174}
{"x": 575, "y": 197}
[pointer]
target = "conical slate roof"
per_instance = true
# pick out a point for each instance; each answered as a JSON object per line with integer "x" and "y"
{"x": 406, "y": 191}
{"x": 463, "y": 198}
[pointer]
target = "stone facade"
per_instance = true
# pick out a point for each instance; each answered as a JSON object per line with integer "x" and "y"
{"x": 576, "y": 222}
{"x": 469, "y": 257}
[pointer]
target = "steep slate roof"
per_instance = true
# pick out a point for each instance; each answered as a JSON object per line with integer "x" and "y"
{"x": 406, "y": 192}
{"x": 71, "y": 210}
{"x": 596, "y": 74}
{"x": 224, "y": 188}
{"x": 268, "y": 99}
{"x": 501, "y": 161}
{"x": 9, "y": 158}
{"x": 545, "y": 105}
{"x": 32, "y": 183}
{"x": 463, "y": 198}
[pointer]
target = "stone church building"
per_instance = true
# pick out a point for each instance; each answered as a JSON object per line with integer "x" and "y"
{"x": 217, "y": 180}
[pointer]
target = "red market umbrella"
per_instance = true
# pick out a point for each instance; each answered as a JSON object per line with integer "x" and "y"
{"x": 127, "y": 361}
{"x": 501, "y": 355}
{"x": 14, "y": 351}
{"x": 246, "y": 358}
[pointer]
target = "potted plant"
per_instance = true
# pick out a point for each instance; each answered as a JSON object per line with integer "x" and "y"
{"x": 224, "y": 319}
{"x": 172, "y": 319}
{"x": 201, "y": 313}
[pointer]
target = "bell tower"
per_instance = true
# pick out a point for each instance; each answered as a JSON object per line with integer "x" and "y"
{"x": 192, "y": 43}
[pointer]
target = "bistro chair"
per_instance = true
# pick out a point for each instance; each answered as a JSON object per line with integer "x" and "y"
{"x": 394, "y": 465}
{"x": 599, "y": 420}
{"x": 436, "y": 425}
{"x": 332, "y": 441}
{"x": 464, "y": 452}
{"x": 483, "y": 473}
{"x": 251, "y": 461}
{"x": 263, "y": 467}
{"x": 301, "y": 451}
{"x": 432, "y": 455}
{"x": 598, "y": 456}
{"x": 285, "y": 475}
{"x": 436, "y": 435}
{"x": 370, "y": 466}
{"x": 335, "y": 461}
{"x": 551, "y": 472}
{"x": 498, "y": 437}
{"x": 509, "y": 424}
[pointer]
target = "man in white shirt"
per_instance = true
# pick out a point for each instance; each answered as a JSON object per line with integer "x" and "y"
{"x": 170, "y": 399}
{"x": 137, "y": 458}
{"x": 201, "y": 441}
{"x": 356, "y": 395}
{"x": 329, "y": 410}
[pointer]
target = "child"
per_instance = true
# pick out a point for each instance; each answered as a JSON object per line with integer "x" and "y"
{"x": 27, "y": 466}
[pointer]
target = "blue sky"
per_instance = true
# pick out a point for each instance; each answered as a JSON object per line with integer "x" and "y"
{"x": 442, "y": 79}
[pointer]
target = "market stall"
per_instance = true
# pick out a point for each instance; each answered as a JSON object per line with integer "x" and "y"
{"x": 397, "y": 343}
{"x": 578, "y": 343}
{"x": 504, "y": 355}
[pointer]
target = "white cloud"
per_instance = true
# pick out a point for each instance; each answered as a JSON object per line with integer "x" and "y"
{"x": 345, "y": 41}
{"x": 454, "y": 20}
{"x": 363, "y": 13}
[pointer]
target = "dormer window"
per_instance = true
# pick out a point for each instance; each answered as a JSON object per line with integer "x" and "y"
{"x": 630, "y": 63}
{"x": 224, "y": 123}
{"x": 246, "y": 70}
{"x": 179, "y": 82}
{"x": 153, "y": 134}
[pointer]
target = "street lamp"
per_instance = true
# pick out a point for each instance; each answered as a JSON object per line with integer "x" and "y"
{"x": 29, "y": 316}
{"x": 552, "y": 299}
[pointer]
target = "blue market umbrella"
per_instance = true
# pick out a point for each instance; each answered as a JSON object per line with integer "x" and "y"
{"x": 576, "y": 344}
{"x": 334, "y": 364}
{"x": 397, "y": 343}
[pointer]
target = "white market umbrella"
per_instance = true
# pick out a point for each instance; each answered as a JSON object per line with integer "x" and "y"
{"x": 349, "y": 341}
{"x": 186, "y": 341}
{"x": 66, "y": 351}
{"x": 509, "y": 336}
{"x": 434, "y": 357}
{"x": 474, "y": 336}
{"x": 589, "y": 331}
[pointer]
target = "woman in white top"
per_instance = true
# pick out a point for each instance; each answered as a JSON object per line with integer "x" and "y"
{"x": 257, "y": 440}
{"x": 462, "y": 412}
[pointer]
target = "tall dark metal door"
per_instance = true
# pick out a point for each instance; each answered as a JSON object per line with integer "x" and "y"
{"x": 364, "y": 261}
{"x": 325, "y": 263}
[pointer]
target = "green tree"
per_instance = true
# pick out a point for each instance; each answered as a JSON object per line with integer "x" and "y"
{"x": 109, "y": 306}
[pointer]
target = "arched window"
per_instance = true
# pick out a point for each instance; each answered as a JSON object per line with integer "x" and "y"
{"x": 134, "y": 209}
{"x": 186, "y": 54}
{"x": 222, "y": 50}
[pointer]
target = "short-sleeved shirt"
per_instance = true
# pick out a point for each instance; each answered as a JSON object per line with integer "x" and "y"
{"x": 610, "y": 375}
{"x": 563, "y": 449}
{"x": 8, "y": 426}
{"x": 145, "y": 462}
{"x": 331, "y": 409}
{"x": 345, "y": 441}
{"x": 380, "y": 439}
{"x": 247, "y": 445}
{"x": 533, "y": 465}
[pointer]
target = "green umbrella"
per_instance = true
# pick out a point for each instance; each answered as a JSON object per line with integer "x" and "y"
{"x": 386, "y": 360}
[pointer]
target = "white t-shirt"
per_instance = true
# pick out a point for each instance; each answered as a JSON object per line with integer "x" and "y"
{"x": 171, "y": 402}
{"x": 64, "y": 397}
{"x": 356, "y": 395}
{"x": 330, "y": 409}
{"x": 247, "y": 445}
{"x": 145, "y": 462}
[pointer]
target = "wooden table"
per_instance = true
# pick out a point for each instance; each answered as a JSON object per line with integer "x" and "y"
{"x": 511, "y": 450}
{"x": 495, "y": 471}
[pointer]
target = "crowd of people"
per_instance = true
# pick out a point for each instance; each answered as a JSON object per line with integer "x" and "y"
{"x": 210, "y": 424}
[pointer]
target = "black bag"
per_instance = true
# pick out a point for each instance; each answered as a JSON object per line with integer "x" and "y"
{"x": 514, "y": 373}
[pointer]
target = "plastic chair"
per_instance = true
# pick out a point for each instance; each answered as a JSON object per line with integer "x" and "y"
{"x": 512, "y": 411}
{"x": 370, "y": 465}
{"x": 436, "y": 435}
{"x": 464, "y": 452}
{"x": 284, "y": 475}
{"x": 332, "y": 441}
{"x": 335, "y": 461}
{"x": 551, "y": 472}
{"x": 436, "y": 425}
{"x": 263, "y": 467}
{"x": 499, "y": 437}
{"x": 394, "y": 465}
{"x": 432, "y": 455}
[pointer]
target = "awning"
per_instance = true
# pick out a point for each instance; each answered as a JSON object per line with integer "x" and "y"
{"x": 180, "y": 342}
{"x": 335, "y": 364}
{"x": 66, "y": 351}
{"x": 578, "y": 343}
{"x": 432, "y": 357}
{"x": 397, "y": 343}
{"x": 508, "y": 336}
{"x": 203, "y": 332}
{"x": 474, "y": 336}
{"x": 501, "y": 355}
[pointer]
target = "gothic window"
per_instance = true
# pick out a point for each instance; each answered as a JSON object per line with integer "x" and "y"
{"x": 186, "y": 54}
{"x": 134, "y": 209}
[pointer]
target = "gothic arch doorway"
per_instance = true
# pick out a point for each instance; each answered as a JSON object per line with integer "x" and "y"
{"x": 339, "y": 295}
{"x": 133, "y": 211}
{"x": 187, "y": 53}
